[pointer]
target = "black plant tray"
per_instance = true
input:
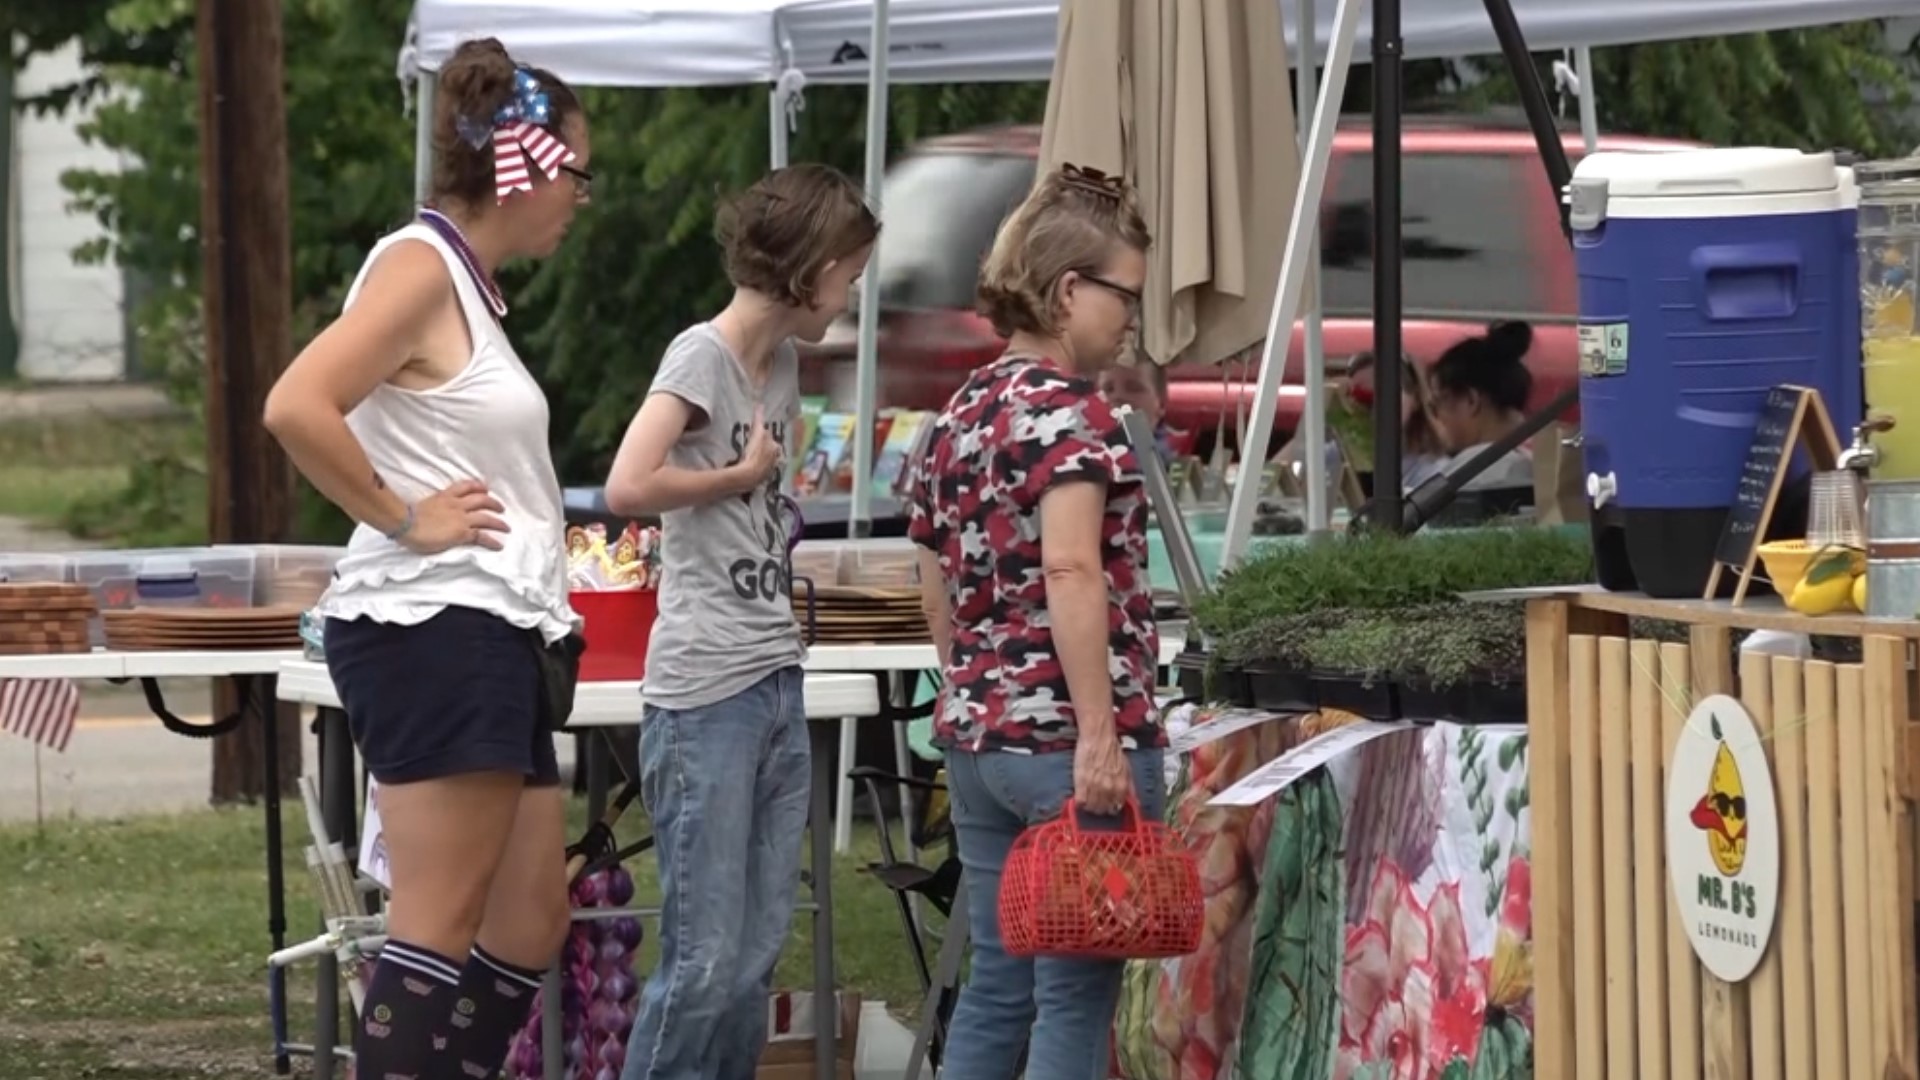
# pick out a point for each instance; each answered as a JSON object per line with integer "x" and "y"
{"x": 1476, "y": 701}
{"x": 1496, "y": 703}
{"x": 1378, "y": 699}
{"x": 1420, "y": 701}
{"x": 1230, "y": 684}
{"x": 1282, "y": 689}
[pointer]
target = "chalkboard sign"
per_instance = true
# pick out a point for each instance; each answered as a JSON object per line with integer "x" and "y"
{"x": 1761, "y": 474}
{"x": 1791, "y": 416}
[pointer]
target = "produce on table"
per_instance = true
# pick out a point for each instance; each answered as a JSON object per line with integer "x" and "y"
{"x": 1828, "y": 585}
{"x": 599, "y": 993}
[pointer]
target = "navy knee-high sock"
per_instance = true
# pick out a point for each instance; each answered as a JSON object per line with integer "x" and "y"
{"x": 404, "y": 1012}
{"x": 490, "y": 1004}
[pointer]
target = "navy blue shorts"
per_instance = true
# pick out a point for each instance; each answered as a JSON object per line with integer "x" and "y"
{"x": 459, "y": 693}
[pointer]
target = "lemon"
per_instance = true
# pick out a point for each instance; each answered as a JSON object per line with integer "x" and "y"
{"x": 1860, "y": 594}
{"x": 1822, "y": 598}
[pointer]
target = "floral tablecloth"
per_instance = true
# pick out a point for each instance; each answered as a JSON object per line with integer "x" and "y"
{"x": 1371, "y": 922}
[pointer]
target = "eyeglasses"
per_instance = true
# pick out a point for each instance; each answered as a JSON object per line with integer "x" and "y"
{"x": 582, "y": 180}
{"x": 1130, "y": 296}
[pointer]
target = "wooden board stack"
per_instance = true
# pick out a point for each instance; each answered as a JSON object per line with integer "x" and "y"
{"x": 42, "y": 619}
{"x": 862, "y": 615}
{"x": 203, "y": 629}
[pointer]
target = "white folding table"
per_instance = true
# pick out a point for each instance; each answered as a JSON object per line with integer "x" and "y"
{"x": 830, "y": 697}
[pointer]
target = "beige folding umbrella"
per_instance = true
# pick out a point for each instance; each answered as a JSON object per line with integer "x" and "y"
{"x": 1189, "y": 100}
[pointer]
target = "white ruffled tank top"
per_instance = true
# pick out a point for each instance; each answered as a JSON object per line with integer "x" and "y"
{"x": 487, "y": 423}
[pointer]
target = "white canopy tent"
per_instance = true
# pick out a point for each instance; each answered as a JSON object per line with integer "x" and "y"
{"x": 787, "y": 43}
{"x": 658, "y": 43}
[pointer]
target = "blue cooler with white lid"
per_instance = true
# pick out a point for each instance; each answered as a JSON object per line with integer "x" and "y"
{"x": 1707, "y": 277}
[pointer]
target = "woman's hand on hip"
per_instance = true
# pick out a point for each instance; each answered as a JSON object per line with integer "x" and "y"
{"x": 1102, "y": 781}
{"x": 462, "y": 514}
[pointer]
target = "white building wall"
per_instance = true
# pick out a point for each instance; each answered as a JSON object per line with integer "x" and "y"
{"x": 69, "y": 316}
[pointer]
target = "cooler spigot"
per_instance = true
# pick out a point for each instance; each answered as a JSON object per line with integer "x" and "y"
{"x": 1863, "y": 455}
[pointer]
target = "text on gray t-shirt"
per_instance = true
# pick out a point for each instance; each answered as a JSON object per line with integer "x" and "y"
{"x": 726, "y": 604}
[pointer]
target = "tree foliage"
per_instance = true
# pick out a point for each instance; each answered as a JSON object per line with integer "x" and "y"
{"x": 640, "y": 262}
{"x": 1835, "y": 87}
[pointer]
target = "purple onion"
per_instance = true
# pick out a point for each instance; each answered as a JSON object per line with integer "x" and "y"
{"x": 620, "y": 987}
{"x": 619, "y": 887}
{"x": 613, "y": 1052}
{"x": 589, "y": 892}
{"x": 614, "y": 953}
{"x": 628, "y": 932}
{"x": 525, "y": 1057}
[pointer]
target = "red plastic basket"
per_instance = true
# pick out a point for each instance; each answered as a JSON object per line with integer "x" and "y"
{"x": 1131, "y": 894}
{"x": 619, "y": 623}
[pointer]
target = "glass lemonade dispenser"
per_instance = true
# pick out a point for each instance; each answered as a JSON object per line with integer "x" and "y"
{"x": 1889, "y": 255}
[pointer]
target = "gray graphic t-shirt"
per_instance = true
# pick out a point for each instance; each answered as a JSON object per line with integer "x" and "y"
{"x": 726, "y": 607}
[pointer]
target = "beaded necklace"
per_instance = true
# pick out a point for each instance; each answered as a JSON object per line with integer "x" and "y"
{"x": 451, "y": 233}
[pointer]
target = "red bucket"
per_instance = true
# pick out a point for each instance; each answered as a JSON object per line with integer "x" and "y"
{"x": 619, "y": 625}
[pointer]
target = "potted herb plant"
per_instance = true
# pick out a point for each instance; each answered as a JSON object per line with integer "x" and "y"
{"x": 1373, "y": 624}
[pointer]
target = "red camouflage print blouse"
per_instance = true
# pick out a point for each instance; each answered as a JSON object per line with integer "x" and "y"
{"x": 1019, "y": 426}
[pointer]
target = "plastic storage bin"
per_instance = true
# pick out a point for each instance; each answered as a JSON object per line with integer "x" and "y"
{"x": 20, "y": 568}
{"x": 163, "y": 577}
{"x": 1707, "y": 277}
{"x": 292, "y": 574}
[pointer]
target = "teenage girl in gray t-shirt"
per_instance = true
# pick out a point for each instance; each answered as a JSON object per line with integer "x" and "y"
{"x": 724, "y": 764}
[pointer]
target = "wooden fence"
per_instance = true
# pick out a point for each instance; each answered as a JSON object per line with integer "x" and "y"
{"x": 1619, "y": 994}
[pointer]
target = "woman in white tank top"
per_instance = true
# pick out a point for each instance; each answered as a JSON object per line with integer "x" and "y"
{"x": 447, "y": 622}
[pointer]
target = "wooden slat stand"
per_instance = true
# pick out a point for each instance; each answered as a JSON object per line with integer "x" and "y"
{"x": 1618, "y": 992}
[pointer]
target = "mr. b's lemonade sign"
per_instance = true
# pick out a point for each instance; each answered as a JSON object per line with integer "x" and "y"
{"x": 1723, "y": 838}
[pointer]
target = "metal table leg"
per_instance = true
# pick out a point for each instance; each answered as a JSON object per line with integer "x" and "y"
{"x": 593, "y": 749}
{"x": 258, "y": 692}
{"x": 338, "y": 794}
{"x": 553, "y": 1046}
{"x": 823, "y": 736}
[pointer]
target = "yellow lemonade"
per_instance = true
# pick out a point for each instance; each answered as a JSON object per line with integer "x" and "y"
{"x": 1893, "y": 389}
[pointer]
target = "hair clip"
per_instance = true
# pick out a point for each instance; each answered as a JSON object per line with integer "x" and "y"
{"x": 474, "y": 132}
{"x": 1093, "y": 181}
{"x": 518, "y": 132}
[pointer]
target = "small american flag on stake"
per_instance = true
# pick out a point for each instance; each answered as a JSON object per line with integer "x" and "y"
{"x": 40, "y": 710}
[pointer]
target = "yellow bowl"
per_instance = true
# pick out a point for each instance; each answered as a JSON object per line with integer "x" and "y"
{"x": 1787, "y": 561}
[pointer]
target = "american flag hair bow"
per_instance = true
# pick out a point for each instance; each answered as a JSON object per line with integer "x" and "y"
{"x": 520, "y": 142}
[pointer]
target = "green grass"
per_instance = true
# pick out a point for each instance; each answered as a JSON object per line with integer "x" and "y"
{"x": 75, "y": 472}
{"x": 46, "y": 494}
{"x": 135, "y": 950}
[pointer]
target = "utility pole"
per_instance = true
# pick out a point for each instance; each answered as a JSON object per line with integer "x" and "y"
{"x": 248, "y": 307}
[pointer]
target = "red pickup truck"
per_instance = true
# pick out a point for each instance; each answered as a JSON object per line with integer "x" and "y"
{"x": 1482, "y": 241}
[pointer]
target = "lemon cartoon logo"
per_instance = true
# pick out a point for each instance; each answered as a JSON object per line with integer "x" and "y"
{"x": 1722, "y": 811}
{"x": 1723, "y": 842}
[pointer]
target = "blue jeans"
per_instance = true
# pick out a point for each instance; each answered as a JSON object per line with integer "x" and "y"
{"x": 726, "y": 786}
{"x": 1066, "y": 1005}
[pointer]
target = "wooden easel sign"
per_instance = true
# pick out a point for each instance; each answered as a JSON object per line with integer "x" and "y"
{"x": 1791, "y": 417}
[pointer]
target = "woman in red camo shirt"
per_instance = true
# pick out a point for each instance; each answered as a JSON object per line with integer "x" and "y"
{"x": 1031, "y": 518}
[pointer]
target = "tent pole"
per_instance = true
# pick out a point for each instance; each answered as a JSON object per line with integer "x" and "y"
{"x": 423, "y": 99}
{"x": 867, "y": 359}
{"x": 1533, "y": 98}
{"x": 1293, "y": 278}
{"x": 1589, "y": 109}
{"x": 1315, "y": 435}
{"x": 1387, "y": 104}
{"x": 776, "y": 127}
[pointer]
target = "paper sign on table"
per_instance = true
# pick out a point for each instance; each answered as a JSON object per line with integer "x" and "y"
{"x": 1223, "y": 724}
{"x": 373, "y": 843}
{"x": 1274, "y": 777}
